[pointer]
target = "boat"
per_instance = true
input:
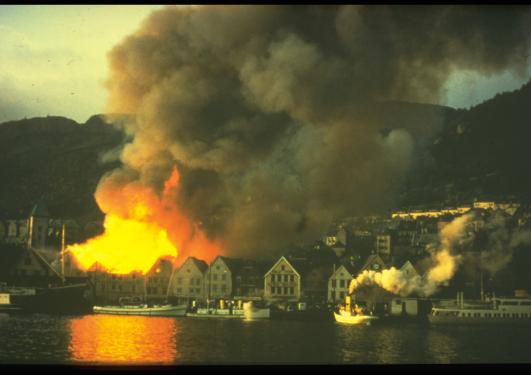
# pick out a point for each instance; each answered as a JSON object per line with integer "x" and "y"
{"x": 143, "y": 309}
{"x": 348, "y": 317}
{"x": 67, "y": 298}
{"x": 253, "y": 312}
{"x": 217, "y": 313}
{"x": 497, "y": 311}
{"x": 355, "y": 315}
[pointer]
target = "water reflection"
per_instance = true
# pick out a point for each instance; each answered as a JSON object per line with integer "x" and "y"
{"x": 441, "y": 346}
{"x": 123, "y": 339}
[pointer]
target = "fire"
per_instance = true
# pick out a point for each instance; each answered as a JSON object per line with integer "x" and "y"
{"x": 141, "y": 227}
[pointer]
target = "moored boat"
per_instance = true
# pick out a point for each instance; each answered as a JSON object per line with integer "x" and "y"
{"x": 253, "y": 312}
{"x": 217, "y": 313}
{"x": 157, "y": 310}
{"x": 347, "y": 317}
{"x": 498, "y": 311}
{"x": 353, "y": 315}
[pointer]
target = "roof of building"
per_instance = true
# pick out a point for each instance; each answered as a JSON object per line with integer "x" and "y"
{"x": 371, "y": 259}
{"x": 234, "y": 264}
{"x": 200, "y": 264}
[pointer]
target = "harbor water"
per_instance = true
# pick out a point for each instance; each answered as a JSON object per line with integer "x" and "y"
{"x": 127, "y": 340}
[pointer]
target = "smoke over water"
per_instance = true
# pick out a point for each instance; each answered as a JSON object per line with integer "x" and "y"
{"x": 267, "y": 112}
{"x": 444, "y": 265}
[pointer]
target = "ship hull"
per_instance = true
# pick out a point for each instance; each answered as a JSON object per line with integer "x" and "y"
{"x": 354, "y": 319}
{"x": 68, "y": 299}
{"x": 167, "y": 310}
{"x": 470, "y": 321}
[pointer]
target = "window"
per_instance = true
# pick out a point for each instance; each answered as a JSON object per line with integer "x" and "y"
{"x": 285, "y": 290}
{"x": 291, "y": 278}
{"x": 291, "y": 291}
{"x": 334, "y": 283}
{"x": 341, "y": 295}
{"x": 282, "y": 268}
{"x": 223, "y": 277}
{"x": 272, "y": 290}
{"x": 279, "y": 290}
{"x": 191, "y": 291}
{"x": 342, "y": 283}
{"x": 285, "y": 278}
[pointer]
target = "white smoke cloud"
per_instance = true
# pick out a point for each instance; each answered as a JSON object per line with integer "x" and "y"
{"x": 445, "y": 264}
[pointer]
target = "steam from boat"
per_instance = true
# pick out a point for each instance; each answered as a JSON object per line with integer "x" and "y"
{"x": 444, "y": 265}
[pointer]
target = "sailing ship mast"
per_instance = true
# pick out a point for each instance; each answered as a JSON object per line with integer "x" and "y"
{"x": 63, "y": 233}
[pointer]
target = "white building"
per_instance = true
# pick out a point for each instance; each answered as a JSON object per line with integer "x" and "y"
{"x": 219, "y": 278}
{"x": 338, "y": 284}
{"x": 282, "y": 282}
{"x": 188, "y": 280}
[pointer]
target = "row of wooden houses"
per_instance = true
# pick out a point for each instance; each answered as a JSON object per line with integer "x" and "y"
{"x": 286, "y": 280}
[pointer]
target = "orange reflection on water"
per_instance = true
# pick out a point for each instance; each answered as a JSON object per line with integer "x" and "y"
{"x": 123, "y": 339}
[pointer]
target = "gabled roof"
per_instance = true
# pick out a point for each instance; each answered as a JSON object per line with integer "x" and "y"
{"x": 297, "y": 270}
{"x": 234, "y": 264}
{"x": 371, "y": 259}
{"x": 200, "y": 264}
{"x": 346, "y": 267}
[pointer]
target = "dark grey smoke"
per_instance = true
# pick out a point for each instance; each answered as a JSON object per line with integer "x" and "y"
{"x": 269, "y": 112}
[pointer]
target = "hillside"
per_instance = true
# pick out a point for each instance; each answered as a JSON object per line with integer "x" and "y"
{"x": 56, "y": 160}
{"x": 475, "y": 153}
{"x": 482, "y": 152}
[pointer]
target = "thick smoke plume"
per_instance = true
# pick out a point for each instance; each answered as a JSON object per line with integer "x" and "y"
{"x": 444, "y": 265}
{"x": 268, "y": 112}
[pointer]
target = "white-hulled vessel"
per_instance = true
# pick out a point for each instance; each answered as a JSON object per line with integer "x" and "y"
{"x": 497, "y": 311}
{"x": 253, "y": 312}
{"x": 162, "y": 310}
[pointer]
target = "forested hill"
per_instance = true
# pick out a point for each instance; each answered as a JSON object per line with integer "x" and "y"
{"x": 55, "y": 160}
{"x": 482, "y": 152}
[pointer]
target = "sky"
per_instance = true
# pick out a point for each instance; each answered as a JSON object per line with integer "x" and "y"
{"x": 53, "y": 61}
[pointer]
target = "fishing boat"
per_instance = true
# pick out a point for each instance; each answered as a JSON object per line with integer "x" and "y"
{"x": 143, "y": 309}
{"x": 217, "y": 313}
{"x": 254, "y": 312}
{"x": 355, "y": 315}
{"x": 497, "y": 311}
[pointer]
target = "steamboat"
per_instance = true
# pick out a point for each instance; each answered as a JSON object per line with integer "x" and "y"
{"x": 496, "y": 311}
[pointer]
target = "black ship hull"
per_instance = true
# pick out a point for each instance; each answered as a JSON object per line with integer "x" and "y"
{"x": 67, "y": 299}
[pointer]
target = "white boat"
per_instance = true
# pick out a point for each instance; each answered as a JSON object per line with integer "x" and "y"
{"x": 252, "y": 312}
{"x": 347, "y": 317}
{"x": 164, "y": 310}
{"x": 498, "y": 311}
{"x": 217, "y": 313}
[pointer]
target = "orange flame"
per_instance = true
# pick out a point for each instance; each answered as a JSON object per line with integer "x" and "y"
{"x": 141, "y": 227}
